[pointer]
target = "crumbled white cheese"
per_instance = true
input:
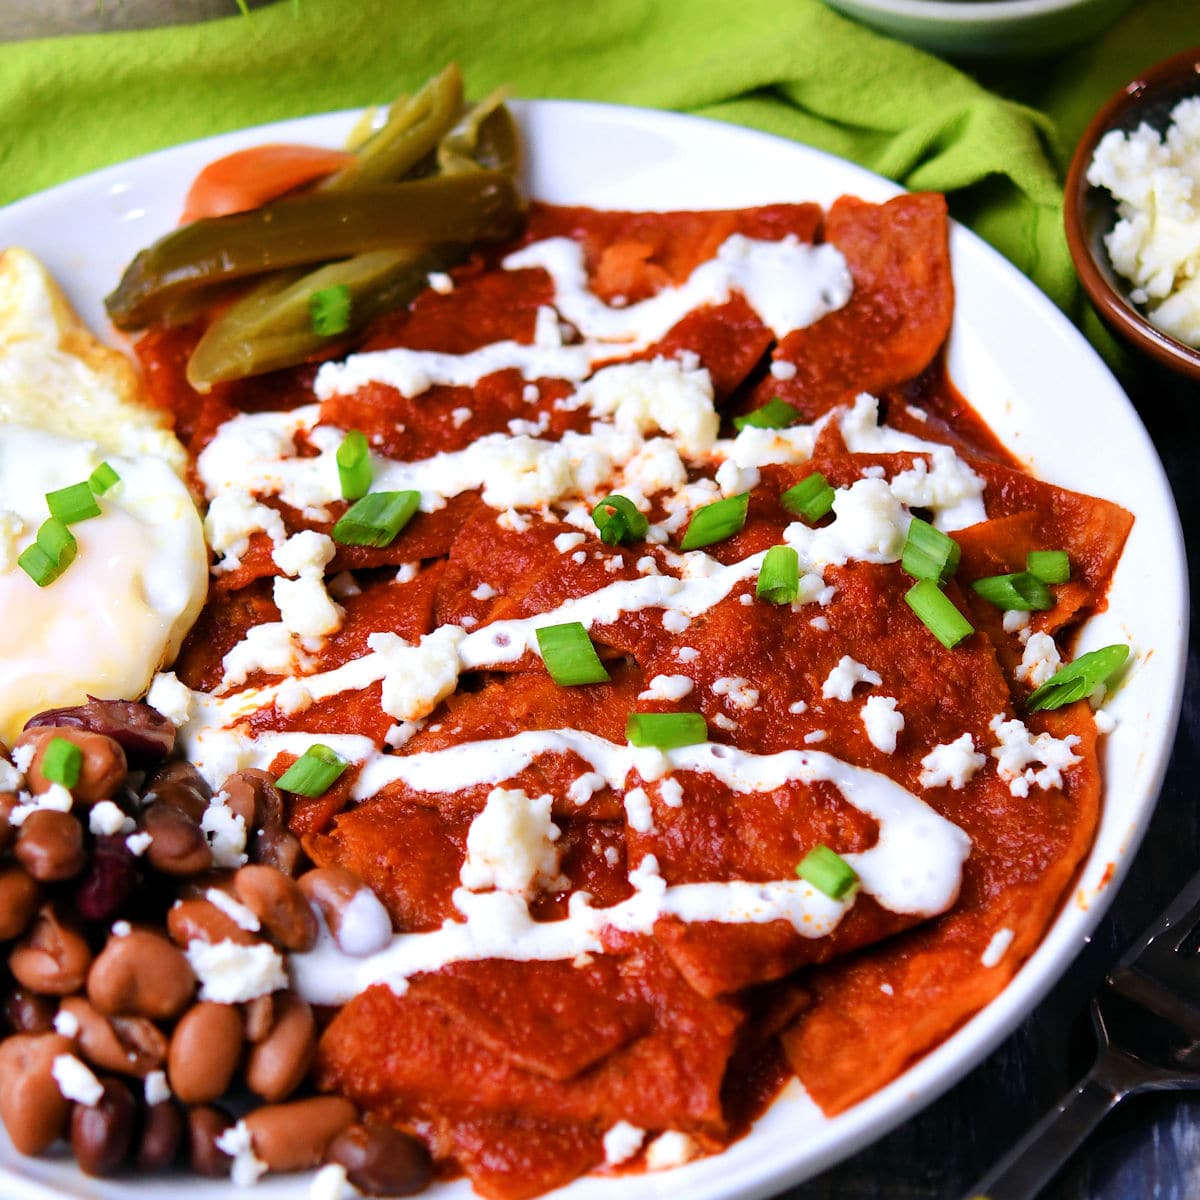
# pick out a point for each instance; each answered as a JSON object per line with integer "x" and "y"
{"x": 407, "y": 572}
{"x": 584, "y": 787}
{"x": 75, "y": 1081}
{"x": 511, "y": 844}
{"x": 121, "y": 929}
{"x": 66, "y": 1023}
{"x": 671, "y": 792}
{"x": 738, "y": 692}
{"x": 513, "y": 521}
{"x": 687, "y": 654}
{"x": 418, "y": 678}
{"x": 268, "y": 648}
{"x": 721, "y": 721}
{"x": 674, "y": 621}
{"x": 238, "y": 913}
{"x": 782, "y": 369}
{"x": 304, "y": 553}
{"x": 887, "y": 989}
{"x": 563, "y": 543}
{"x": 952, "y": 763}
{"x": 797, "y": 707}
{"x": 233, "y": 516}
{"x": 1015, "y": 619}
{"x": 11, "y": 780}
{"x": 840, "y": 682}
{"x": 1105, "y": 721}
{"x": 230, "y": 973}
{"x": 1040, "y": 660}
{"x": 638, "y": 810}
{"x": 238, "y": 1143}
{"x": 670, "y": 1149}
{"x": 821, "y": 623}
{"x": 667, "y": 687}
{"x": 1018, "y": 750}
{"x": 440, "y": 282}
{"x": 171, "y": 698}
{"x": 622, "y": 1142}
{"x": 817, "y": 735}
{"x": 155, "y": 1088}
{"x": 106, "y": 820}
{"x": 997, "y": 948}
{"x": 225, "y": 831}
{"x": 656, "y": 467}
{"x": 883, "y": 722}
{"x": 329, "y": 1183}
{"x": 55, "y": 798}
{"x": 1156, "y": 243}
{"x": 138, "y": 843}
{"x": 22, "y": 757}
{"x": 305, "y": 607}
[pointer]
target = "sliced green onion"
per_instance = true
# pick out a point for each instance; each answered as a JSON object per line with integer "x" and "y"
{"x": 618, "y": 520}
{"x": 779, "y": 577}
{"x": 827, "y": 871}
{"x": 775, "y": 414}
{"x": 715, "y": 522}
{"x": 1021, "y": 591}
{"x": 103, "y": 478}
{"x": 1079, "y": 678}
{"x": 376, "y": 518}
{"x": 929, "y": 553}
{"x": 666, "y": 730}
{"x": 313, "y": 772}
{"x": 329, "y": 310}
{"x": 569, "y": 654}
{"x": 354, "y": 465}
{"x": 937, "y": 613}
{"x": 50, "y": 555}
{"x": 1050, "y": 566}
{"x": 74, "y": 503}
{"x": 62, "y": 761}
{"x": 811, "y": 498}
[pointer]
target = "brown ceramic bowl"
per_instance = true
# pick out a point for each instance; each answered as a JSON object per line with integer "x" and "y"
{"x": 1090, "y": 212}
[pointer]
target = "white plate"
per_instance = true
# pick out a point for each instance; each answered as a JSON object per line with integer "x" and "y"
{"x": 1013, "y": 354}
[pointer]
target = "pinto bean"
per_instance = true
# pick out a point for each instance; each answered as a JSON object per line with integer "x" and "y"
{"x": 8, "y": 801}
{"x": 180, "y": 785}
{"x": 19, "y": 897}
{"x": 204, "y": 1125}
{"x": 161, "y": 1136}
{"x": 101, "y": 772}
{"x": 293, "y": 1137}
{"x": 205, "y": 1049}
{"x": 279, "y": 904}
{"x": 202, "y": 921}
{"x": 280, "y": 1061}
{"x": 126, "y": 1045}
{"x": 51, "y": 959}
{"x": 141, "y": 974}
{"x": 141, "y": 731}
{"x": 382, "y": 1161}
{"x": 32, "y": 1108}
{"x": 259, "y": 1014}
{"x": 178, "y": 845}
{"x": 352, "y": 912}
{"x": 102, "y": 1133}
{"x": 28, "y": 1012}
{"x": 50, "y": 846}
{"x": 252, "y": 794}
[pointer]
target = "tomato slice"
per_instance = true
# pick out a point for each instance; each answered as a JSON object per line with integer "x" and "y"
{"x": 249, "y": 178}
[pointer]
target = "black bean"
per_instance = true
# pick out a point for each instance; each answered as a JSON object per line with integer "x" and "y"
{"x": 101, "y": 1134}
{"x": 162, "y": 1135}
{"x": 382, "y": 1161}
{"x": 109, "y": 881}
{"x": 143, "y": 732}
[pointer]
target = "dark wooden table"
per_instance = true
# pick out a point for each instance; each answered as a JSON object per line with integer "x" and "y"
{"x": 1149, "y": 1149}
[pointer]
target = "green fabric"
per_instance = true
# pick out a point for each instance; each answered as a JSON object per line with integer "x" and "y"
{"x": 994, "y": 136}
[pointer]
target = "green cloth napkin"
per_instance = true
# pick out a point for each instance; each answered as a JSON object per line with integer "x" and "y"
{"x": 996, "y": 140}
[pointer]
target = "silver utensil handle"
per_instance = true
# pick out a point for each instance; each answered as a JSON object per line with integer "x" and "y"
{"x": 1036, "y": 1158}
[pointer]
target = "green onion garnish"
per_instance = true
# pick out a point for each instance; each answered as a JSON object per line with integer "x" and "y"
{"x": 376, "y": 518}
{"x": 1079, "y": 678}
{"x": 775, "y": 414}
{"x": 1022, "y": 591}
{"x": 937, "y": 613}
{"x": 103, "y": 478}
{"x": 779, "y": 576}
{"x": 715, "y": 522}
{"x": 1050, "y": 566}
{"x": 929, "y": 553}
{"x": 329, "y": 310}
{"x": 62, "y": 761}
{"x": 827, "y": 871}
{"x": 666, "y": 730}
{"x": 354, "y": 465}
{"x": 569, "y": 654}
{"x": 74, "y": 503}
{"x": 50, "y": 555}
{"x": 618, "y": 520}
{"x": 811, "y": 498}
{"x": 313, "y": 772}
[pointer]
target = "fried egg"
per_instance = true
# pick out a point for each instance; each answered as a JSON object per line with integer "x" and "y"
{"x": 121, "y": 609}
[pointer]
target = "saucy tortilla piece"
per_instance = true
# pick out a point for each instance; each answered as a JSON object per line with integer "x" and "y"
{"x": 896, "y": 320}
{"x": 912, "y": 992}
